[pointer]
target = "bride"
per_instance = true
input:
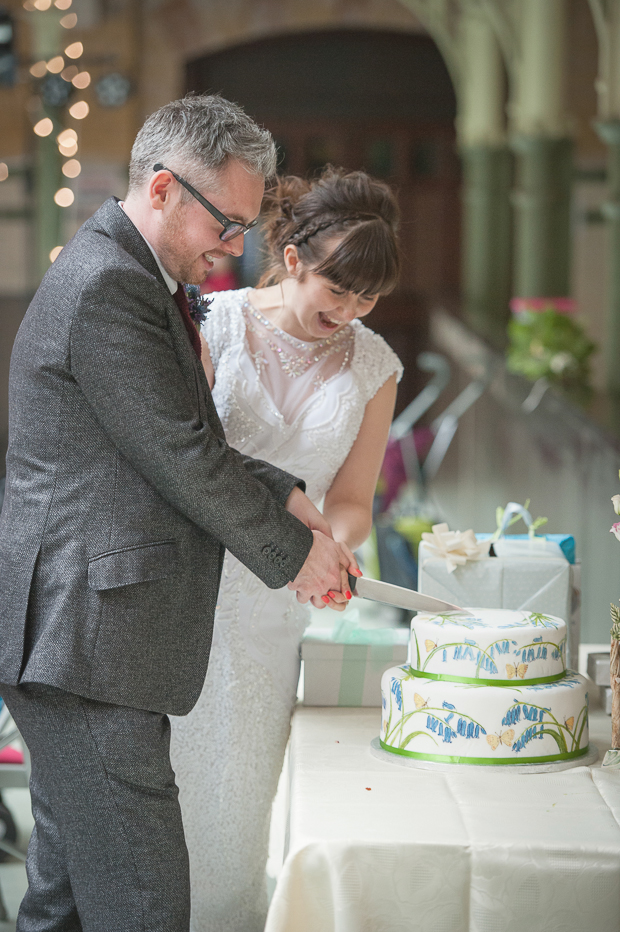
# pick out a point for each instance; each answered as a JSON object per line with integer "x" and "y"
{"x": 298, "y": 380}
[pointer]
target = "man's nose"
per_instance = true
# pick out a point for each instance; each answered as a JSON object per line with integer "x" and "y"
{"x": 234, "y": 247}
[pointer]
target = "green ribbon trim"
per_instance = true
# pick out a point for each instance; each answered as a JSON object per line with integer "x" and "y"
{"x": 484, "y": 761}
{"x": 516, "y": 681}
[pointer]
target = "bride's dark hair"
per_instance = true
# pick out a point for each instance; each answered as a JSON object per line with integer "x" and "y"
{"x": 351, "y": 206}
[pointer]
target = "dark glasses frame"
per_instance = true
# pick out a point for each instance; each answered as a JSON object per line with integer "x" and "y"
{"x": 232, "y": 228}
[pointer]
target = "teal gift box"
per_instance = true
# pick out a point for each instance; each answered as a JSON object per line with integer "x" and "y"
{"x": 343, "y": 665}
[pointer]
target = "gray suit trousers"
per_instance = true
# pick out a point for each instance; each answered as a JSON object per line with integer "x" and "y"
{"x": 108, "y": 852}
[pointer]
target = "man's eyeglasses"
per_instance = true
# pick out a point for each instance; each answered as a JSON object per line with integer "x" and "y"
{"x": 231, "y": 229}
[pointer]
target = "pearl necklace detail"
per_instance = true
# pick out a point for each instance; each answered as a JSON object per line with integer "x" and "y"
{"x": 294, "y": 365}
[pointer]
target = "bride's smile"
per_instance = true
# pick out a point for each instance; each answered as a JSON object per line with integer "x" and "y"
{"x": 307, "y": 305}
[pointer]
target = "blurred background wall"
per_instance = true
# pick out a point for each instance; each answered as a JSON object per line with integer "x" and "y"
{"x": 497, "y": 121}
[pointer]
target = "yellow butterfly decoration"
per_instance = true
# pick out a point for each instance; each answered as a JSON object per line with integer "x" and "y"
{"x": 420, "y": 703}
{"x": 570, "y": 722}
{"x": 429, "y": 645}
{"x": 520, "y": 670}
{"x": 506, "y": 737}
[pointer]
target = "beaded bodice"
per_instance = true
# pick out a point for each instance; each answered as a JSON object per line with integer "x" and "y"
{"x": 298, "y": 405}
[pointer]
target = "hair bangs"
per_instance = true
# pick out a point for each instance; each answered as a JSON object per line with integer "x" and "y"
{"x": 365, "y": 261}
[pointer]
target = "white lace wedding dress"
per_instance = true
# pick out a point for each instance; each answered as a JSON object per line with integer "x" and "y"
{"x": 300, "y": 406}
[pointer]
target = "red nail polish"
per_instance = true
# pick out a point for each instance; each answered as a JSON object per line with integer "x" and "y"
{"x": 331, "y": 594}
{"x": 348, "y": 594}
{"x": 325, "y": 599}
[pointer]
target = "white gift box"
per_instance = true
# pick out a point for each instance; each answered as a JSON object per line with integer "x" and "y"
{"x": 345, "y": 669}
{"x": 533, "y": 582}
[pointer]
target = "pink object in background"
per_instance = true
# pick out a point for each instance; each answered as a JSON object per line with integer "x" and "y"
{"x": 220, "y": 281}
{"x": 561, "y": 305}
{"x": 393, "y": 469}
{"x": 10, "y": 755}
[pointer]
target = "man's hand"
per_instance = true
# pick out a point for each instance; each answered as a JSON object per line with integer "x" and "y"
{"x": 325, "y": 570}
{"x": 300, "y": 505}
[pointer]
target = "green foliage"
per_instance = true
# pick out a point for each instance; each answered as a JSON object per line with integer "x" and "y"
{"x": 615, "y": 622}
{"x": 550, "y": 345}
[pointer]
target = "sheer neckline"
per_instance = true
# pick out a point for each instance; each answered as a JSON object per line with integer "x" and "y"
{"x": 291, "y": 371}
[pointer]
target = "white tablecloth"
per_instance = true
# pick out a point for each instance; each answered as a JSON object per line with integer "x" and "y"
{"x": 376, "y": 847}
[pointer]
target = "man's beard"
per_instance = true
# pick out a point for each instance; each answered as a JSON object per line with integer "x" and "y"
{"x": 172, "y": 251}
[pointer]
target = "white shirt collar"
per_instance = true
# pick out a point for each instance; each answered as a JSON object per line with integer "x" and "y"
{"x": 170, "y": 282}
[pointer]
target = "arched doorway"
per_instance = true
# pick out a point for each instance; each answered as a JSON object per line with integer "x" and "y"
{"x": 381, "y": 101}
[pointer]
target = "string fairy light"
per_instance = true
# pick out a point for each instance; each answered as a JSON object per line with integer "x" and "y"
{"x": 4, "y": 171}
{"x": 75, "y": 50}
{"x": 44, "y": 127}
{"x": 67, "y": 142}
{"x": 79, "y": 110}
{"x": 72, "y": 168}
{"x": 66, "y": 139}
{"x": 64, "y": 197}
{"x": 56, "y": 64}
{"x": 81, "y": 80}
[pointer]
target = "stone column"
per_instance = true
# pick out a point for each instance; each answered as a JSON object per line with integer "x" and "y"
{"x": 46, "y": 42}
{"x": 543, "y": 147}
{"x": 487, "y": 174}
{"x": 609, "y": 131}
{"x": 607, "y": 20}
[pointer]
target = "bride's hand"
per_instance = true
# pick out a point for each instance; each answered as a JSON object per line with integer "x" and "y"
{"x": 348, "y": 564}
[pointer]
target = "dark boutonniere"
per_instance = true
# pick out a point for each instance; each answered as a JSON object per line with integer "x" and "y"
{"x": 198, "y": 304}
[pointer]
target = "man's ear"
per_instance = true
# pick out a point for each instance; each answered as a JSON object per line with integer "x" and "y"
{"x": 160, "y": 188}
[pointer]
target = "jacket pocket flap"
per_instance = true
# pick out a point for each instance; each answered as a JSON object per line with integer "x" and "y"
{"x": 142, "y": 563}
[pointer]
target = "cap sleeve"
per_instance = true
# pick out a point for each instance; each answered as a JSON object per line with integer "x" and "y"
{"x": 224, "y": 322}
{"x": 374, "y": 361}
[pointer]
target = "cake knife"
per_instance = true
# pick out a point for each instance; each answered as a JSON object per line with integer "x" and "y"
{"x": 378, "y": 591}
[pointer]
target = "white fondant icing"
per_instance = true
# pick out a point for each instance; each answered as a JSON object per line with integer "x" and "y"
{"x": 436, "y": 718}
{"x": 491, "y": 644}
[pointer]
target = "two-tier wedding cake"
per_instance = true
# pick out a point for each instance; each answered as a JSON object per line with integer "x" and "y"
{"x": 489, "y": 687}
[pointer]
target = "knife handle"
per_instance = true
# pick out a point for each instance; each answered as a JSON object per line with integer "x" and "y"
{"x": 352, "y": 583}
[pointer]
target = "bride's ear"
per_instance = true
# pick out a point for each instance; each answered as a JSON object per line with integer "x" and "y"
{"x": 292, "y": 262}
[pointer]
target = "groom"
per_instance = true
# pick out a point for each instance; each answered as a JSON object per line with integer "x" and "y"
{"x": 121, "y": 497}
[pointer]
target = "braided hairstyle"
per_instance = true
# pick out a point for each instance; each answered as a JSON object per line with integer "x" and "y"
{"x": 343, "y": 225}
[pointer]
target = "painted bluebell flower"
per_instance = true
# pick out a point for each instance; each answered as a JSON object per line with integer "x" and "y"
{"x": 398, "y": 694}
{"x": 528, "y": 735}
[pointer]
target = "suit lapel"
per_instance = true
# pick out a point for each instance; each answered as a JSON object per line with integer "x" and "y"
{"x": 114, "y": 222}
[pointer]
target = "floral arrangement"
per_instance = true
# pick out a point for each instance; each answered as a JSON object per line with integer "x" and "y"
{"x": 546, "y": 342}
{"x": 198, "y": 304}
{"x": 612, "y": 757}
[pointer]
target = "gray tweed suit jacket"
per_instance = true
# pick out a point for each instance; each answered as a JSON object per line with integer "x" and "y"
{"x": 122, "y": 493}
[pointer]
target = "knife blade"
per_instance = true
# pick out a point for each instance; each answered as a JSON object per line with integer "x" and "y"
{"x": 377, "y": 591}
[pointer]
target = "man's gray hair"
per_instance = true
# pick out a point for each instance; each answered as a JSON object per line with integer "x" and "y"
{"x": 196, "y": 137}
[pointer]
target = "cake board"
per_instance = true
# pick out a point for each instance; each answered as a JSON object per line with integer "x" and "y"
{"x": 548, "y": 767}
